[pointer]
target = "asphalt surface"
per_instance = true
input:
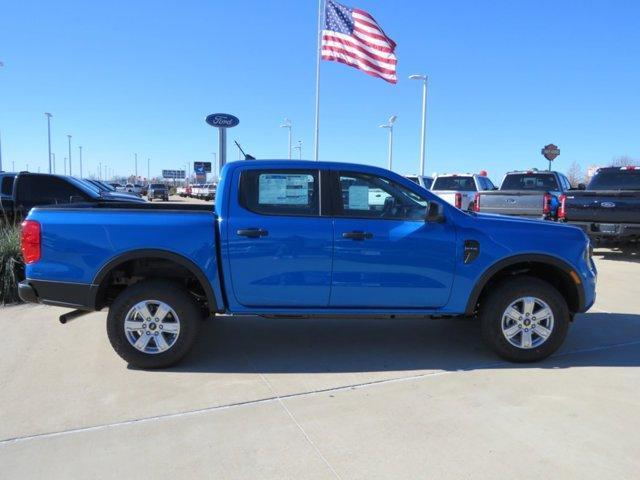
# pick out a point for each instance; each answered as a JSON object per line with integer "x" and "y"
{"x": 326, "y": 398}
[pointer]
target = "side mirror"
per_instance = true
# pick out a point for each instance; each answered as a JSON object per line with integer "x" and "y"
{"x": 582, "y": 186}
{"x": 435, "y": 213}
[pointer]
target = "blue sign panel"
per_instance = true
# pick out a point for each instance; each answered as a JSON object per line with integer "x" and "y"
{"x": 202, "y": 167}
{"x": 222, "y": 120}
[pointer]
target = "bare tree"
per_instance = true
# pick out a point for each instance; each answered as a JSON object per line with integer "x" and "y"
{"x": 574, "y": 174}
{"x": 623, "y": 161}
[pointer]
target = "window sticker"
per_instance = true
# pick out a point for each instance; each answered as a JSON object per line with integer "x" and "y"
{"x": 359, "y": 197}
{"x": 277, "y": 189}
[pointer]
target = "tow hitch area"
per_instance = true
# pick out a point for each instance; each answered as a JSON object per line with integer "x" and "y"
{"x": 72, "y": 315}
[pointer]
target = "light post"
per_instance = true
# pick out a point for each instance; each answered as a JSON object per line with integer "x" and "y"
{"x": 287, "y": 125}
{"x": 423, "y": 132}
{"x": 80, "y": 149}
{"x": 65, "y": 165}
{"x": 99, "y": 170}
{"x": 299, "y": 148}
{"x": 48, "y": 115}
{"x": 53, "y": 157}
{"x": 389, "y": 126}
{"x": 69, "y": 137}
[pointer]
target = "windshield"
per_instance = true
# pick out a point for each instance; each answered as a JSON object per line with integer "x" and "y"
{"x": 616, "y": 180}
{"x": 84, "y": 185}
{"x": 157, "y": 185}
{"x": 530, "y": 181}
{"x": 461, "y": 184}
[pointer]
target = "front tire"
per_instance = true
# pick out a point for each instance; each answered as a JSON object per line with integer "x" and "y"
{"x": 153, "y": 324}
{"x": 524, "y": 319}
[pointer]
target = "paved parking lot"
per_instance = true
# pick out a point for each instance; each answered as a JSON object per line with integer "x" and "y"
{"x": 300, "y": 398}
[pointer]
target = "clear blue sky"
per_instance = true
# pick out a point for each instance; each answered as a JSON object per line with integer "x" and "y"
{"x": 506, "y": 77}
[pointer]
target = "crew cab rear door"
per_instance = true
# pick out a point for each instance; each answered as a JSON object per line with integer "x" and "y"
{"x": 385, "y": 254}
{"x": 279, "y": 246}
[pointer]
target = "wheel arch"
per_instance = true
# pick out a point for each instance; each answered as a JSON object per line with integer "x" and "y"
{"x": 546, "y": 267}
{"x": 99, "y": 283}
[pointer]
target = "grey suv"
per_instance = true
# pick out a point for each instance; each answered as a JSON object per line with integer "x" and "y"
{"x": 158, "y": 190}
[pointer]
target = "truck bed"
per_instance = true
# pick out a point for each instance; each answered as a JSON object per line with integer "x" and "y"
{"x": 524, "y": 203}
{"x": 610, "y": 206}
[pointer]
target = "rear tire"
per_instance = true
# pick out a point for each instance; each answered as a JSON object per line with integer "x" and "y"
{"x": 510, "y": 332}
{"x": 162, "y": 348}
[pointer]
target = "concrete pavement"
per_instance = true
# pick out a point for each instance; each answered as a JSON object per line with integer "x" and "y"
{"x": 300, "y": 398}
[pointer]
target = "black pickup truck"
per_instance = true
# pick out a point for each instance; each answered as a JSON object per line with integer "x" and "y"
{"x": 25, "y": 190}
{"x": 608, "y": 210}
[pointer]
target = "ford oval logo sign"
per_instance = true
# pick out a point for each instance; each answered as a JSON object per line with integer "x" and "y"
{"x": 222, "y": 120}
{"x": 607, "y": 204}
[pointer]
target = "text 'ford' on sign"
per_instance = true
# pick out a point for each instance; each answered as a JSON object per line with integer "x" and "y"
{"x": 222, "y": 120}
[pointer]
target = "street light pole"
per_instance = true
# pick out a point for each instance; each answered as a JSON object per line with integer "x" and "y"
{"x": 423, "y": 132}
{"x": 299, "y": 148}
{"x": 389, "y": 126}
{"x": 99, "y": 170}
{"x": 65, "y": 165}
{"x": 70, "y": 171}
{"x": 53, "y": 157}
{"x": 287, "y": 125}
{"x": 48, "y": 115}
{"x": 80, "y": 148}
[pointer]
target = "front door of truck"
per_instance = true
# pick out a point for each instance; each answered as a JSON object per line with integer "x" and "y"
{"x": 279, "y": 247}
{"x": 385, "y": 254}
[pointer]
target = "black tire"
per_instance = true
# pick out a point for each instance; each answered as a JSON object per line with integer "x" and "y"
{"x": 506, "y": 292}
{"x": 174, "y": 295}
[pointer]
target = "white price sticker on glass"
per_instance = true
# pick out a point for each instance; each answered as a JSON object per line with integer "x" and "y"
{"x": 359, "y": 197}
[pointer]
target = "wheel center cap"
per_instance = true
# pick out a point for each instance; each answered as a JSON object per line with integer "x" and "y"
{"x": 152, "y": 326}
{"x": 527, "y": 322}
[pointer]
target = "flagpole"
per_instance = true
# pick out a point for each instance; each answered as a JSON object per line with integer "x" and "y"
{"x": 317, "y": 132}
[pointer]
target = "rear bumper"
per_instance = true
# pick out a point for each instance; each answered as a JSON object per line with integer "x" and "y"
{"x": 62, "y": 294}
{"x": 622, "y": 231}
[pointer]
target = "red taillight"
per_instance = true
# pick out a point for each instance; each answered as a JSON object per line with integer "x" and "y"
{"x": 458, "y": 200}
{"x": 30, "y": 241}
{"x": 562, "y": 213}
{"x": 476, "y": 203}
{"x": 546, "y": 204}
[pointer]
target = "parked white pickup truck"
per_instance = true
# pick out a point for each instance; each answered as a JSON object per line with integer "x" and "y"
{"x": 459, "y": 189}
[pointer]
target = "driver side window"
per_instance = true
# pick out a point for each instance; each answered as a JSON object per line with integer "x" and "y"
{"x": 368, "y": 196}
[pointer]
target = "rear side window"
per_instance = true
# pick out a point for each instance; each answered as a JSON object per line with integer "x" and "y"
{"x": 530, "y": 181}
{"x": 7, "y": 185}
{"x": 44, "y": 190}
{"x": 460, "y": 184}
{"x": 281, "y": 192}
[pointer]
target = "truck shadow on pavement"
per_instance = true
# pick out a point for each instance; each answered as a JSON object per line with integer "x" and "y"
{"x": 260, "y": 345}
{"x": 619, "y": 255}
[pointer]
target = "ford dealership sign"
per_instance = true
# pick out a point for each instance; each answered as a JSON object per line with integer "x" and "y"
{"x": 222, "y": 120}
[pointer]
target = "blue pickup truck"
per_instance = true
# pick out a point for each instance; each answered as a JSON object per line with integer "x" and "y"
{"x": 299, "y": 238}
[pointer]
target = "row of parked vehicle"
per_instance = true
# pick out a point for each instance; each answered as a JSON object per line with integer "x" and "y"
{"x": 607, "y": 209}
{"x": 203, "y": 191}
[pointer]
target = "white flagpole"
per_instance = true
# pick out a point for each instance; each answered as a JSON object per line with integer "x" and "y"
{"x": 317, "y": 132}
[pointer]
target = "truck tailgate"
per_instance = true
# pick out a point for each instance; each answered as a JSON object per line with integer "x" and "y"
{"x": 610, "y": 206}
{"x": 513, "y": 202}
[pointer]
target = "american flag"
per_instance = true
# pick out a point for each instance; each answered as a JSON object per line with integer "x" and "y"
{"x": 352, "y": 36}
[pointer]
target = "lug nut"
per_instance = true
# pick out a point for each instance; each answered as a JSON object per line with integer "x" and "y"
{"x": 144, "y": 325}
{"x": 156, "y": 333}
{"x": 148, "y": 333}
{"x": 526, "y": 329}
{"x": 160, "y": 327}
